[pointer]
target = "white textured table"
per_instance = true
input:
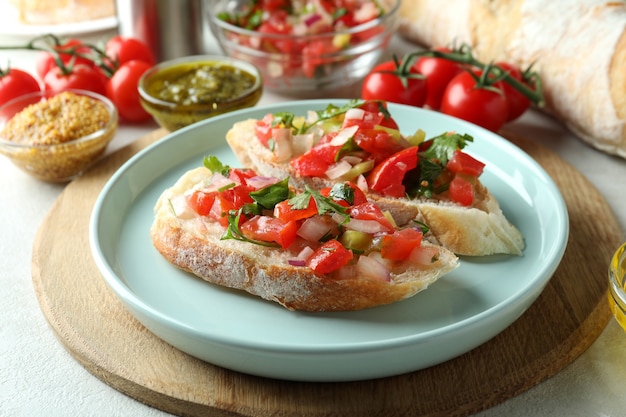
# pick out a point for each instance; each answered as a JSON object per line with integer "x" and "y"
{"x": 39, "y": 378}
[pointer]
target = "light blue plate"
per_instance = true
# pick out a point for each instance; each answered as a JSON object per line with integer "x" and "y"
{"x": 237, "y": 331}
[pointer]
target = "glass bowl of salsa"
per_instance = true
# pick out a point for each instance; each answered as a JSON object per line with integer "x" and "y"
{"x": 303, "y": 46}
{"x": 183, "y": 91}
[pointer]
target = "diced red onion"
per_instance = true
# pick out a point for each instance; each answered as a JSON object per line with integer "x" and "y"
{"x": 361, "y": 182}
{"x": 218, "y": 181}
{"x": 259, "y": 182}
{"x": 181, "y": 207}
{"x": 354, "y": 114}
{"x": 282, "y": 144}
{"x": 305, "y": 253}
{"x": 312, "y": 19}
{"x": 313, "y": 229}
{"x": 344, "y": 135}
{"x": 352, "y": 159}
{"x": 338, "y": 169}
{"x": 366, "y": 226}
{"x": 302, "y": 143}
{"x": 312, "y": 116}
{"x": 366, "y": 12}
{"x": 299, "y": 29}
{"x": 369, "y": 267}
{"x": 296, "y": 262}
{"x": 423, "y": 255}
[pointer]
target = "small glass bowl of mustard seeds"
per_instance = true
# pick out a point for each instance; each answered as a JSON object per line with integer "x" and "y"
{"x": 54, "y": 136}
{"x": 183, "y": 91}
{"x": 617, "y": 285}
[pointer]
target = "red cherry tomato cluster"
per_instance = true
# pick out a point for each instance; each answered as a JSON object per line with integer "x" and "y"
{"x": 112, "y": 71}
{"x": 455, "y": 83}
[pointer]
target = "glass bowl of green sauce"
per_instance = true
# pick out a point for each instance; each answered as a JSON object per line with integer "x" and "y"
{"x": 183, "y": 91}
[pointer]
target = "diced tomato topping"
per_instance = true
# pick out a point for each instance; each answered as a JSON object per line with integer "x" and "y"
{"x": 202, "y": 202}
{"x": 378, "y": 143}
{"x": 309, "y": 165}
{"x": 386, "y": 178}
{"x": 370, "y": 211}
{"x": 367, "y": 121}
{"x": 316, "y": 53}
{"x": 380, "y": 107}
{"x": 286, "y": 212}
{"x": 399, "y": 245}
{"x": 238, "y": 195}
{"x": 220, "y": 208}
{"x": 316, "y": 161}
{"x": 225, "y": 201}
{"x": 461, "y": 191}
{"x": 241, "y": 175}
{"x": 465, "y": 164}
{"x": 329, "y": 257}
{"x": 263, "y": 129}
{"x": 270, "y": 229}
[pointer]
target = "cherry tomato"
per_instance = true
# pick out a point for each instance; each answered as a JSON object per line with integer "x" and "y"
{"x": 329, "y": 257}
{"x": 121, "y": 89}
{"x": 386, "y": 178}
{"x": 384, "y": 83}
{"x": 45, "y": 61}
{"x": 481, "y": 106}
{"x": 80, "y": 76}
{"x": 518, "y": 103}
{"x": 15, "y": 82}
{"x": 438, "y": 73}
{"x": 399, "y": 245}
{"x": 123, "y": 49}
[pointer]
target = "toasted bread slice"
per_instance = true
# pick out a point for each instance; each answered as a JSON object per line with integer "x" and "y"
{"x": 195, "y": 244}
{"x": 478, "y": 230}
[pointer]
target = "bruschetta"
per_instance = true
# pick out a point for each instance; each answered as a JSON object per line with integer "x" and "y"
{"x": 314, "y": 250}
{"x": 414, "y": 178}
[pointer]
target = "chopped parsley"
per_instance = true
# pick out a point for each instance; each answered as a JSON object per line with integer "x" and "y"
{"x": 422, "y": 182}
{"x": 215, "y": 165}
{"x": 324, "y": 204}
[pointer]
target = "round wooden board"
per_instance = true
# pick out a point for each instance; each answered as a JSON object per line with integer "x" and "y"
{"x": 97, "y": 330}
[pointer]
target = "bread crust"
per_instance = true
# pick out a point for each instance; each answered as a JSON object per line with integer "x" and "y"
{"x": 472, "y": 231}
{"x": 194, "y": 245}
{"x": 578, "y": 49}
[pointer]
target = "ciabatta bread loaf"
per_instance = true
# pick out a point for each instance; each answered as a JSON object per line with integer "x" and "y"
{"x": 479, "y": 230}
{"x": 577, "y": 47}
{"x": 194, "y": 243}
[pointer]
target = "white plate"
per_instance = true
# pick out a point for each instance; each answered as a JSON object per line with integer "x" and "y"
{"x": 11, "y": 25}
{"x": 237, "y": 331}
